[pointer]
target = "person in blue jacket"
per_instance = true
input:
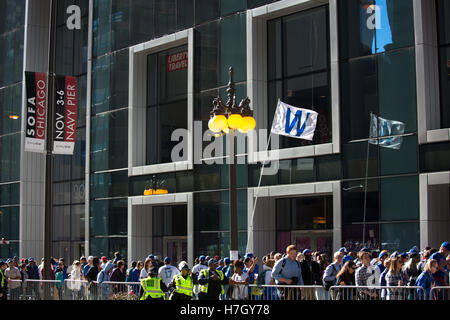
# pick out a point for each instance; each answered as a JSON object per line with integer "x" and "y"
{"x": 426, "y": 280}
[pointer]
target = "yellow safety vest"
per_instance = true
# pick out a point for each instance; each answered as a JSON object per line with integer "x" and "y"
{"x": 152, "y": 288}
{"x": 184, "y": 286}
{"x": 205, "y": 272}
{"x": 3, "y": 278}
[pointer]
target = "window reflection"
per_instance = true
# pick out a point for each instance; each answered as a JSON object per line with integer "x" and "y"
{"x": 375, "y": 26}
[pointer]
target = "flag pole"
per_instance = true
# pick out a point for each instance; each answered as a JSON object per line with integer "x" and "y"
{"x": 365, "y": 185}
{"x": 250, "y": 234}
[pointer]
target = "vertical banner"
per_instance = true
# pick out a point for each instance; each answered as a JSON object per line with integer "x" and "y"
{"x": 65, "y": 115}
{"x": 36, "y": 113}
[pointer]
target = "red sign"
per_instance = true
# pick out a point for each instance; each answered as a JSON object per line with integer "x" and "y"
{"x": 65, "y": 115}
{"x": 36, "y": 113}
{"x": 177, "y": 61}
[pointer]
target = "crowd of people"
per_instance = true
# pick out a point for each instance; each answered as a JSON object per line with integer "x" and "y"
{"x": 213, "y": 278}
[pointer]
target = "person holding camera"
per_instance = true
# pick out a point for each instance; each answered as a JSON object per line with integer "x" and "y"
{"x": 287, "y": 271}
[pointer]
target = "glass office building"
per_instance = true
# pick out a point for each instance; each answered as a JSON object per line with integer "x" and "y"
{"x": 147, "y": 74}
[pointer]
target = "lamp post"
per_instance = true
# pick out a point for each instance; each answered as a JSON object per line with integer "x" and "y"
{"x": 228, "y": 118}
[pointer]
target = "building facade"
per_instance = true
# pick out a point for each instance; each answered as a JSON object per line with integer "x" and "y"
{"x": 147, "y": 74}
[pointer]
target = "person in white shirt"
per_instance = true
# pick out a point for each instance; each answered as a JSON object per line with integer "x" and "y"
{"x": 200, "y": 266}
{"x": 239, "y": 282}
{"x": 196, "y": 270}
{"x": 167, "y": 272}
{"x": 147, "y": 265}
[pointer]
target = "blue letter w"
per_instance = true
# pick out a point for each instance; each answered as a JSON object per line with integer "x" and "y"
{"x": 297, "y": 118}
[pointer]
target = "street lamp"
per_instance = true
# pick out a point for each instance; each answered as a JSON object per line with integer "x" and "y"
{"x": 228, "y": 118}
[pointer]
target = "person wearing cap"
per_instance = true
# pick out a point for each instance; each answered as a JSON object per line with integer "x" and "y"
{"x": 152, "y": 287}
{"x": 3, "y": 282}
{"x": 220, "y": 265}
{"x": 103, "y": 260}
{"x": 167, "y": 272}
{"x": 410, "y": 269}
{"x": 12, "y": 273}
{"x": 380, "y": 264}
{"x": 183, "y": 283}
{"x": 88, "y": 265}
{"x": 211, "y": 282}
{"x": 439, "y": 276}
{"x": 228, "y": 270}
{"x": 310, "y": 273}
{"x": 200, "y": 266}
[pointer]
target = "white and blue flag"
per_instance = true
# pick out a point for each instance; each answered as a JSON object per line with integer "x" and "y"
{"x": 294, "y": 122}
{"x": 391, "y": 129}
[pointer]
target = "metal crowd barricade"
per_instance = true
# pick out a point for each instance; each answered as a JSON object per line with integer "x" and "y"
{"x": 439, "y": 293}
{"x": 35, "y": 289}
{"x": 76, "y": 289}
{"x": 286, "y": 292}
{"x": 109, "y": 290}
{"x": 376, "y": 293}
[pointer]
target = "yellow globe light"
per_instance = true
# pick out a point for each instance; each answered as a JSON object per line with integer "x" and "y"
{"x": 235, "y": 121}
{"x": 219, "y": 123}
{"x": 226, "y": 130}
{"x": 210, "y": 126}
{"x": 248, "y": 124}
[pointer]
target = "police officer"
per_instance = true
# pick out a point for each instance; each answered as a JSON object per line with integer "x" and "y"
{"x": 211, "y": 282}
{"x": 152, "y": 287}
{"x": 183, "y": 283}
{"x": 3, "y": 281}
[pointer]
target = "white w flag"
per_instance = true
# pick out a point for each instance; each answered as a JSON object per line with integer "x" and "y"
{"x": 380, "y": 127}
{"x": 294, "y": 122}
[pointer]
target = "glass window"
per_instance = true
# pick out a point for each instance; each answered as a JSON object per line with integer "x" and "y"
{"x": 359, "y": 97}
{"x": 352, "y": 237}
{"x": 165, "y": 17}
{"x": 12, "y": 14}
{"x": 356, "y": 160}
{"x": 297, "y": 76}
{"x": 233, "y": 30}
{"x": 102, "y": 27}
{"x": 108, "y": 217}
{"x": 61, "y": 223}
{"x": 207, "y": 58}
{"x": 109, "y": 184}
{"x": 399, "y": 236}
{"x": 109, "y": 138}
{"x": 208, "y": 211}
{"x": 397, "y": 87}
{"x": 304, "y": 213}
{"x": 399, "y": 198}
{"x": 401, "y": 161}
{"x": 206, "y": 10}
{"x": 355, "y": 197}
{"x": 61, "y": 193}
{"x": 444, "y": 70}
{"x": 230, "y": 6}
{"x": 142, "y": 28}
{"x": 120, "y": 24}
{"x": 435, "y": 157}
{"x": 328, "y": 168}
{"x": 374, "y": 26}
{"x": 10, "y": 158}
{"x": 185, "y": 14}
{"x": 443, "y": 13}
{"x": 170, "y": 220}
{"x": 167, "y": 102}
